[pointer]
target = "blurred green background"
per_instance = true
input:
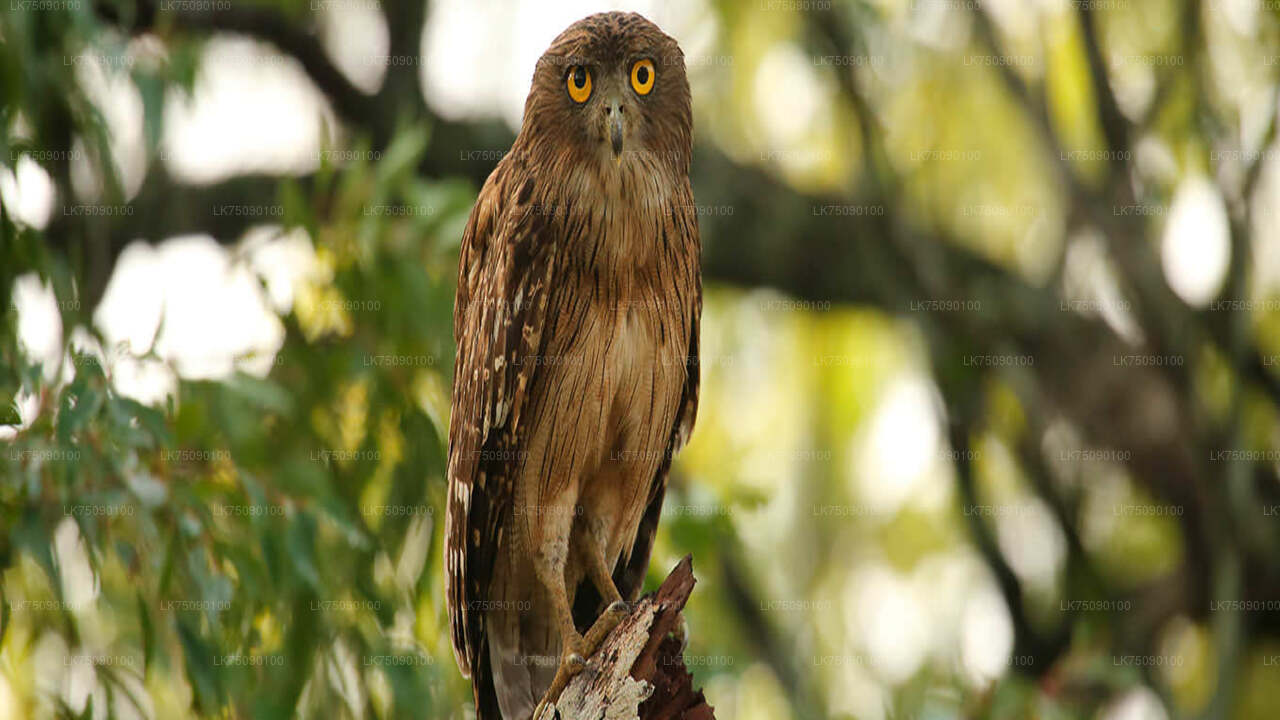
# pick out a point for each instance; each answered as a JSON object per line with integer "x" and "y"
{"x": 991, "y": 353}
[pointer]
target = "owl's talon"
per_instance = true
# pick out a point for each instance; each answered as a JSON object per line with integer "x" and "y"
{"x": 537, "y": 712}
{"x": 604, "y": 625}
{"x": 572, "y": 662}
{"x": 681, "y": 633}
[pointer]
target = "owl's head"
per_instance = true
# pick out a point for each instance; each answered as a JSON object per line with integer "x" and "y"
{"x": 612, "y": 90}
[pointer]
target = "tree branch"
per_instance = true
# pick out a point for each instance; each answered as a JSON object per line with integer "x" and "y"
{"x": 1115, "y": 127}
{"x": 1034, "y": 105}
{"x": 638, "y": 672}
{"x": 270, "y": 26}
{"x": 1035, "y": 653}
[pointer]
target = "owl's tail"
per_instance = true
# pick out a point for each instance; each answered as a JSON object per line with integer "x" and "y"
{"x": 483, "y": 688}
{"x": 522, "y": 659}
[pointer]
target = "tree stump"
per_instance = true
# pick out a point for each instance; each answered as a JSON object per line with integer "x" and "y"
{"x": 638, "y": 672}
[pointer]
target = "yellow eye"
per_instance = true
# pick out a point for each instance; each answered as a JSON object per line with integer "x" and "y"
{"x": 642, "y": 76}
{"x": 579, "y": 82}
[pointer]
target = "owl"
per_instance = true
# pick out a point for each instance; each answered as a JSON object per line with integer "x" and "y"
{"x": 576, "y": 381}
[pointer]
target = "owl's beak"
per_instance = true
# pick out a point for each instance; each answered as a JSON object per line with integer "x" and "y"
{"x": 615, "y": 129}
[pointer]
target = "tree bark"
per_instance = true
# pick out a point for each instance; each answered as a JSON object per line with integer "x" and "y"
{"x": 638, "y": 672}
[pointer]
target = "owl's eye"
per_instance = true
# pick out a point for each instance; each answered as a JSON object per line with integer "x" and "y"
{"x": 579, "y": 82}
{"x": 642, "y": 76}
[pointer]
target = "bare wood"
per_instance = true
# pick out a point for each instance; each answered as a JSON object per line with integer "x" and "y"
{"x": 638, "y": 673}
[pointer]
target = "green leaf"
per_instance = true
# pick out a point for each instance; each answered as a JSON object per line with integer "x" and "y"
{"x": 301, "y": 543}
{"x": 201, "y": 669}
{"x": 260, "y": 393}
{"x": 4, "y": 613}
{"x": 79, "y": 406}
{"x": 9, "y": 409}
{"x": 152, "y": 89}
{"x": 148, "y": 633}
{"x": 402, "y": 156}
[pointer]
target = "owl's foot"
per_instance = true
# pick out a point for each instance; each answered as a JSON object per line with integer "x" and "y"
{"x": 578, "y": 649}
{"x": 572, "y": 662}
{"x": 681, "y": 633}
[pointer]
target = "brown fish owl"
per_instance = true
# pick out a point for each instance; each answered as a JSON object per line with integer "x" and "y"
{"x": 576, "y": 320}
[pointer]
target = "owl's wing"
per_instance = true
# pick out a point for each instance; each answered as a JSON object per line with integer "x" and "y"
{"x": 682, "y": 228}
{"x": 503, "y": 275}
